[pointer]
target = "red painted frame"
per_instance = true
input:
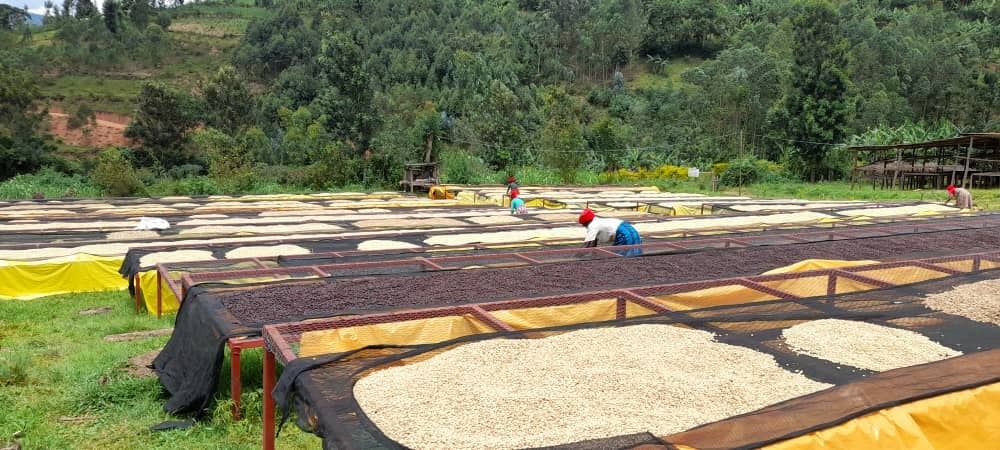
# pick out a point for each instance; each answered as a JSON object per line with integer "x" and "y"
{"x": 279, "y": 337}
{"x": 526, "y": 257}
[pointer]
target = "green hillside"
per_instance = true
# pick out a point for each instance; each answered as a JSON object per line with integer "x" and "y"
{"x": 270, "y": 94}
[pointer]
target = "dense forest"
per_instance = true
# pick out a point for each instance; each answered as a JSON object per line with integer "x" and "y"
{"x": 327, "y": 93}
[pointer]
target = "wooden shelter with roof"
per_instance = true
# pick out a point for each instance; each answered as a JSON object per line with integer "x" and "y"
{"x": 970, "y": 159}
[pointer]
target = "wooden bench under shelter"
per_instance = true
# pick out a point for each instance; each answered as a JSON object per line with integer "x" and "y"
{"x": 965, "y": 160}
{"x": 419, "y": 175}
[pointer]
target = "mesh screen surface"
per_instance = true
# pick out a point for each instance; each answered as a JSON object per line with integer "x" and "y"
{"x": 323, "y": 386}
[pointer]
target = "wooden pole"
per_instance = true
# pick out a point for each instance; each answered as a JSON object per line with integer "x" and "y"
{"x": 740, "y": 190}
{"x": 885, "y": 169}
{"x": 895, "y": 171}
{"x": 968, "y": 154}
{"x": 269, "y": 381}
{"x": 953, "y": 168}
{"x": 854, "y": 168}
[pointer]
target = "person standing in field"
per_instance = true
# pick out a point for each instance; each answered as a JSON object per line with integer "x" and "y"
{"x": 603, "y": 230}
{"x": 962, "y": 197}
{"x": 512, "y": 188}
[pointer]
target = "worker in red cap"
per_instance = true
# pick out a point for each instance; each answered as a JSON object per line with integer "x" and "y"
{"x": 512, "y": 189}
{"x": 962, "y": 197}
{"x": 601, "y": 230}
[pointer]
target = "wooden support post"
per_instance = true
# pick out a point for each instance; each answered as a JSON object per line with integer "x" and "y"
{"x": 968, "y": 154}
{"x": 159, "y": 293}
{"x": 895, "y": 170}
{"x": 268, "y": 419}
{"x": 235, "y": 384}
{"x": 953, "y": 169}
{"x": 138, "y": 293}
{"x": 854, "y": 168}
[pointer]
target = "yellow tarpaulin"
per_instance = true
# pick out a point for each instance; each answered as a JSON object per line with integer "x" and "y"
{"x": 169, "y": 303}
{"x": 684, "y": 210}
{"x": 803, "y": 287}
{"x": 440, "y": 193}
{"x": 147, "y": 281}
{"x": 551, "y": 316}
{"x": 412, "y": 332}
{"x": 25, "y": 280}
{"x": 961, "y": 420}
{"x": 440, "y": 329}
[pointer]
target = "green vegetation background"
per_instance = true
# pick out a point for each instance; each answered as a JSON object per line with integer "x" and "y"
{"x": 271, "y": 95}
{"x": 71, "y": 388}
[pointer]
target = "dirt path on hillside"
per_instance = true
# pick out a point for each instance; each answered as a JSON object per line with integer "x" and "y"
{"x": 109, "y": 130}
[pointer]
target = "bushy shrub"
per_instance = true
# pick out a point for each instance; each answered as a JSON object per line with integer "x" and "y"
{"x": 621, "y": 106}
{"x": 50, "y": 182}
{"x": 185, "y": 171}
{"x": 741, "y": 172}
{"x": 285, "y": 175}
{"x": 334, "y": 167}
{"x": 164, "y": 19}
{"x": 231, "y": 158}
{"x": 115, "y": 175}
{"x": 600, "y": 96}
{"x": 196, "y": 186}
{"x": 460, "y": 167}
{"x": 663, "y": 172}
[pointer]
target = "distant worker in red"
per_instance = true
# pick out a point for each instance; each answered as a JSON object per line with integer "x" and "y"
{"x": 512, "y": 188}
{"x": 605, "y": 231}
{"x": 962, "y": 197}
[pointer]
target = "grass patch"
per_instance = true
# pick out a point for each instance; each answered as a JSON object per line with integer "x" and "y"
{"x": 841, "y": 190}
{"x": 187, "y": 60}
{"x": 43, "y": 39}
{"x": 102, "y": 93}
{"x": 221, "y": 27}
{"x": 239, "y": 8}
{"x": 647, "y": 80}
{"x": 49, "y": 182}
{"x": 55, "y": 366}
{"x": 195, "y": 57}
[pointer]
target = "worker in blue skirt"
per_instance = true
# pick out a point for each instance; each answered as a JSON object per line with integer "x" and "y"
{"x": 602, "y": 230}
{"x": 517, "y": 206}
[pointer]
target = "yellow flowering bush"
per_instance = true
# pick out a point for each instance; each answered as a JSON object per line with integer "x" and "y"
{"x": 664, "y": 172}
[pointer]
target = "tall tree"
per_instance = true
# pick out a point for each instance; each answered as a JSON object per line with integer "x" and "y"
{"x": 275, "y": 44}
{"x": 85, "y": 9}
{"x": 739, "y": 87}
{"x": 111, "y": 10}
{"x": 229, "y": 102}
{"x": 11, "y": 18}
{"x": 498, "y": 122}
{"x": 347, "y": 99}
{"x": 683, "y": 27}
{"x": 161, "y": 123}
{"x": 139, "y": 12}
{"x": 20, "y": 149}
{"x": 563, "y": 144}
{"x": 817, "y": 108}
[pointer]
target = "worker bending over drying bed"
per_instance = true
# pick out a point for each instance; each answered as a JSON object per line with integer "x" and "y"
{"x": 517, "y": 205}
{"x": 962, "y": 197}
{"x": 603, "y": 230}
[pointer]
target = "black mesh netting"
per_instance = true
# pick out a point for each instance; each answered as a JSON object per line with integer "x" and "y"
{"x": 131, "y": 264}
{"x": 321, "y": 388}
{"x": 656, "y": 244}
{"x": 210, "y": 313}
